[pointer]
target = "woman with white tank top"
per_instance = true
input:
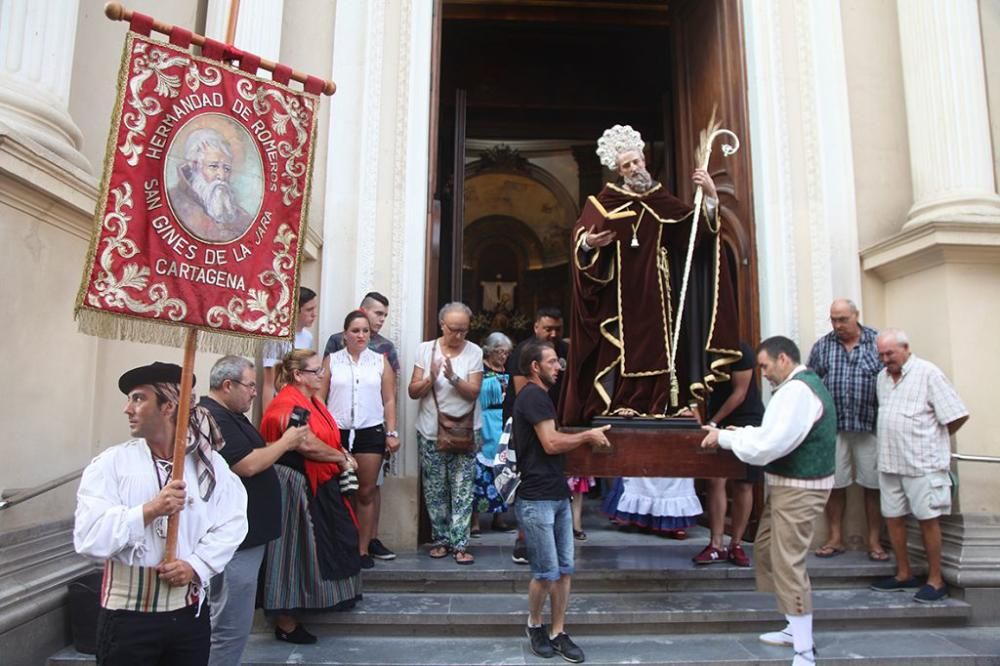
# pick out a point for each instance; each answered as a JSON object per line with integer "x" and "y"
{"x": 362, "y": 398}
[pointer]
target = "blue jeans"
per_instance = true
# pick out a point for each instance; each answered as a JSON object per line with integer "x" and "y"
{"x": 548, "y": 533}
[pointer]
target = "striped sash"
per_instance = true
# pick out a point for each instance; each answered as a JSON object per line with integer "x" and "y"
{"x": 140, "y": 589}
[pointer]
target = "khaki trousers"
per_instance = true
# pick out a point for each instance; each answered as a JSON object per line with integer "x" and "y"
{"x": 784, "y": 538}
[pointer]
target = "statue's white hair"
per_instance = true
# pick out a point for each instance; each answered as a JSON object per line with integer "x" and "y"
{"x": 615, "y": 141}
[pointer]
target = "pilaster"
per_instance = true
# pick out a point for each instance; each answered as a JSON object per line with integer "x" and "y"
{"x": 947, "y": 113}
{"x": 36, "y": 55}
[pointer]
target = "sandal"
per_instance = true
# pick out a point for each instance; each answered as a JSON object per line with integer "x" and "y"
{"x": 463, "y": 556}
{"x": 475, "y": 533}
{"x": 828, "y": 551}
{"x": 439, "y": 551}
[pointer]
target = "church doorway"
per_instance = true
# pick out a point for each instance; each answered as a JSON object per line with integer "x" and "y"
{"x": 522, "y": 91}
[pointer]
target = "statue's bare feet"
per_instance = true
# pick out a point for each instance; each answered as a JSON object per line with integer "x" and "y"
{"x": 627, "y": 412}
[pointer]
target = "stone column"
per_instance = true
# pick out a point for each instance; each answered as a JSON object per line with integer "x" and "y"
{"x": 36, "y": 59}
{"x": 947, "y": 114}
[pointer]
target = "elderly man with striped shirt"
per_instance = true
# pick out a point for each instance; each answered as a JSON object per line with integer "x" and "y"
{"x": 919, "y": 410}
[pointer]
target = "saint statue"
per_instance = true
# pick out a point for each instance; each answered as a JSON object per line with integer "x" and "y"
{"x": 630, "y": 251}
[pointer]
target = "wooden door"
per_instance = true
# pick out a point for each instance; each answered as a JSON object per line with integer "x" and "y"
{"x": 710, "y": 73}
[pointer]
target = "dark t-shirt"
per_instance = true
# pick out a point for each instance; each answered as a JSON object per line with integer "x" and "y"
{"x": 751, "y": 411}
{"x": 514, "y": 370}
{"x": 263, "y": 489}
{"x": 542, "y": 475}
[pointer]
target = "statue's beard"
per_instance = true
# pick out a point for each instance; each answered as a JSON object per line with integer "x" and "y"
{"x": 639, "y": 182}
{"x": 216, "y": 198}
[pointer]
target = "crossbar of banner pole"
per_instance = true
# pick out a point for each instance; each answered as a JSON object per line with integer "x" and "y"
{"x": 118, "y": 12}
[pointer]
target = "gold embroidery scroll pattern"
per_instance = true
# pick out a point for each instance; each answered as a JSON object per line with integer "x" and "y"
{"x": 156, "y": 62}
{"x": 114, "y": 290}
{"x": 290, "y": 111}
{"x": 272, "y": 321}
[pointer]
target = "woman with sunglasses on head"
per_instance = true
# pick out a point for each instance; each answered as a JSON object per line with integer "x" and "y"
{"x": 446, "y": 380}
{"x": 314, "y": 565}
{"x": 361, "y": 395}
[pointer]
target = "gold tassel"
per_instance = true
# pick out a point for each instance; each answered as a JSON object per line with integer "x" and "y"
{"x": 113, "y": 327}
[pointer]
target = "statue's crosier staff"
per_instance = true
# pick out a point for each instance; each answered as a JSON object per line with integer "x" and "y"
{"x": 708, "y": 137}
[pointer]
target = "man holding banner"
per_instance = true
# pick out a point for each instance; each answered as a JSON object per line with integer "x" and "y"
{"x": 197, "y": 243}
{"x": 151, "y": 608}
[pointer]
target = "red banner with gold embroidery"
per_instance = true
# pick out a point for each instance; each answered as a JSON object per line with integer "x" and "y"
{"x": 203, "y": 203}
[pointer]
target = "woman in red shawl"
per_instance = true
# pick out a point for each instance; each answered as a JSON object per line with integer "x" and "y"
{"x": 314, "y": 565}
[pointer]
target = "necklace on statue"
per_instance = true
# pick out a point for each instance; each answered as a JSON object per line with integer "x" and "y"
{"x": 635, "y": 230}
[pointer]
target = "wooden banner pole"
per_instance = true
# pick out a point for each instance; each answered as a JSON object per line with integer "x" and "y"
{"x": 118, "y": 12}
{"x": 180, "y": 439}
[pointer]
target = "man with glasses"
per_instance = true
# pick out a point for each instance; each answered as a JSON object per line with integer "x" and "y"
{"x": 232, "y": 391}
{"x": 152, "y": 609}
{"x": 847, "y": 361}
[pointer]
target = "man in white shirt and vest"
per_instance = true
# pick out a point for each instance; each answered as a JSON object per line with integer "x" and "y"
{"x": 152, "y": 610}
{"x": 795, "y": 443}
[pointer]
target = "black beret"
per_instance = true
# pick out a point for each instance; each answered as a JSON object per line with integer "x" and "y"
{"x": 155, "y": 373}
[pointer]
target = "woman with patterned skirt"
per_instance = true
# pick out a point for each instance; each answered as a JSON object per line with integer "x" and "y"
{"x": 314, "y": 565}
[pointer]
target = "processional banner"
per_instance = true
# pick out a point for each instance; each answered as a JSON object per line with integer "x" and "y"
{"x": 203, "y": 201}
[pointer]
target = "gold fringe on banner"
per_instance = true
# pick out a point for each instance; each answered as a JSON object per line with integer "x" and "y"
{"x": 115, "y": 327}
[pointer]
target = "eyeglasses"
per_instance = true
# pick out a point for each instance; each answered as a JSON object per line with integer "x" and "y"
{"x": 315, "y": 371}
{"x": 252, "y": 385}
{"x": 456, "y": 331}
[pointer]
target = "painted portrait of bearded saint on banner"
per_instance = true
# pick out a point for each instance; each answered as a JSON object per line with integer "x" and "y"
{"x": 214, "y": 179}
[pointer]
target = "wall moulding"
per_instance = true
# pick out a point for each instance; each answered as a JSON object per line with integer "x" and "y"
{"x": 933, "y": 244}
{"x": 46, "y": 186}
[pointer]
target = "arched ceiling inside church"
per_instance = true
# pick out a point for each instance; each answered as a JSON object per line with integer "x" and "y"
{"x": 548, "y": 214}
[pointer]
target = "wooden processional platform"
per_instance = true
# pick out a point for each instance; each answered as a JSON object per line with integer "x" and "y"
{"x": 653, "y": 447}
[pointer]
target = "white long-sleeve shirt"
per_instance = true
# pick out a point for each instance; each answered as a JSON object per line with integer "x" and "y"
{"x": 791, "y": 413}
{"x": 109, "y": 522}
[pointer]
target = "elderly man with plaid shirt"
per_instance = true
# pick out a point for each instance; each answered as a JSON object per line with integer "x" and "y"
{"x": 847, "y": 361}
{"x": 918, "y": 412}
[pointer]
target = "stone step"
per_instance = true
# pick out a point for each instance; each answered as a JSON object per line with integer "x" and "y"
{"x": 898, "y": 647}
{"x": 413, "y": 614}
{"x": 660, "y": 566}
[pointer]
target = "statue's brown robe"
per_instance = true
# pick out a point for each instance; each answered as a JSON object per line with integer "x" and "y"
{"x": 624, "y": 302}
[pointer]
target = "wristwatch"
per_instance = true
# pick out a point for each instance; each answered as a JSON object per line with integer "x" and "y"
{"x": 713, "y": 424}
{"x": 454, "y": 379}
{"x": 392, "y": 433}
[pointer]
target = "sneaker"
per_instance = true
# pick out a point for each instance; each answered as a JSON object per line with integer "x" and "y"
{"x": 298, "y": 635}
{"x": 540, "y": 643}
{"x": 738, "y": 556}
{"x": 520, "y": 554}
{"x": 367, "y": 562}
{"x": 781, "y": 638}
{"x": 378, "y": 550}
{"x": 567, "y": 649}
{"x": 890, "y": 584}
{"x": 710, "y": 555}
{"x": 928, "y": 594}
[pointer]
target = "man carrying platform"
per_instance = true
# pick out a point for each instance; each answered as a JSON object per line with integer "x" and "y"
{"x": 795, "y": 442}
{"x": 152, "y": 610}
{"x": 543, "y": 505}
{"x": 630, "y": 252}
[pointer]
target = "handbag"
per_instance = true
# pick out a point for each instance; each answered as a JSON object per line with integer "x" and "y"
{"x": 455, "y": 434}
{"x": 506, "y": 478}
